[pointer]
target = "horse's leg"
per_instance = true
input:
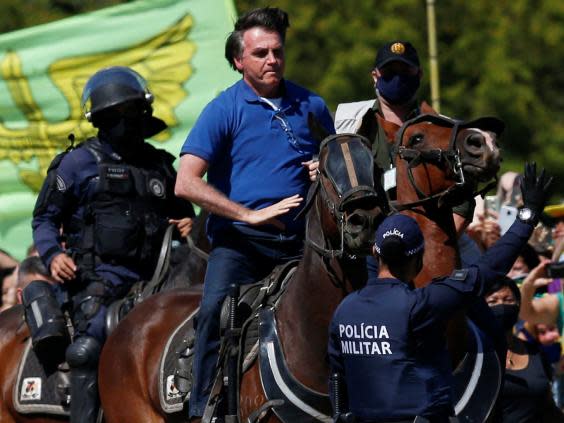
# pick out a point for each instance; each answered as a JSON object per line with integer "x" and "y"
{"x": 130, "y": 358}
{"x": 123, "y": 392}
{"x": 252, "y": 395}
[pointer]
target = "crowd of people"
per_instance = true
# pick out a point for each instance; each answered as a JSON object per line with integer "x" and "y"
{"x": 113, "y": 196}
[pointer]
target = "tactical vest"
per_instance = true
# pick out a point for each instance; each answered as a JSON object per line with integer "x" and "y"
{"x": 126, "y": 218}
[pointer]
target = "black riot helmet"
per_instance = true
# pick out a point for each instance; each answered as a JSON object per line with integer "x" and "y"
{"x": 113, "y": 86}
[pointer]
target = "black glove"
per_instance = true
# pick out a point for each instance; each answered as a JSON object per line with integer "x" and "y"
{"x": 535, "y": 189}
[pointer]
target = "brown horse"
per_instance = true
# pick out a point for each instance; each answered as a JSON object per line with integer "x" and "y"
{"x": 14, "y": 334}
{"x": 344, "y": 208}
{"x": 439, "y": 162}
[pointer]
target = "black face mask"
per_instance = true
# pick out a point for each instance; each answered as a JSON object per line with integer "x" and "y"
{"x": 506, "y": 315}
{"x": 128, "y": 130}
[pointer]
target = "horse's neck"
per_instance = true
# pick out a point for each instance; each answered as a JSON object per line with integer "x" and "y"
{"x": 441, "y": 251}
{"x": 304, "y": 315}
{"x": 437, "y": 225}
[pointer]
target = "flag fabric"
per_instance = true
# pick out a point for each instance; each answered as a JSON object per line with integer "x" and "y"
{"x": 176, "y": 45}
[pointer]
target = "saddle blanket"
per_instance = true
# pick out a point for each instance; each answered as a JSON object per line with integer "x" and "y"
{"x": 36, "y": 386}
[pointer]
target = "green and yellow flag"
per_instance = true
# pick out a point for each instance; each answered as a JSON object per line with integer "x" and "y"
{"x": 177, "y": 45}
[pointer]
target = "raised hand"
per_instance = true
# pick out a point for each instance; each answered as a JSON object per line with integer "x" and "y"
{"x": 535, "y": 189}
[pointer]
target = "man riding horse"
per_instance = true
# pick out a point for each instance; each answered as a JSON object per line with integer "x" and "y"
{"x": 97, "y": 224}
{"x": 254, "y": 143}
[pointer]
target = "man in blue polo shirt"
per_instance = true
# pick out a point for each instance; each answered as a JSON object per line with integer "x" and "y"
{"x": 255, "y": 145}
{"x": 387, "y": 340}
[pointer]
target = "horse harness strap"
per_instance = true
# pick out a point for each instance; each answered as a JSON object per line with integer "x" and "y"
{"x": 414, "y": 158}
{"x": 347, "y": 180}
{"x": 300, "y": 404}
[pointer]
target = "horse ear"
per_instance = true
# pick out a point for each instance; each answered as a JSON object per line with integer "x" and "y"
{"x": 369, "y": 126}
{"x": 318, "y": 131}
{"x": 389, "y": 128}
{"x": 427, "y": 109}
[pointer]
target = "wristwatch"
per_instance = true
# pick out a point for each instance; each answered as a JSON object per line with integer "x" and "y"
{"x": 526, "y": 215}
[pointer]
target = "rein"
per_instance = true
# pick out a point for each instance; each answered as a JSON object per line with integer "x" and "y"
{"x": 339, "y": 216}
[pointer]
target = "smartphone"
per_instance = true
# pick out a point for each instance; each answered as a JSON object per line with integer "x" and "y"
{"x": 507, "y": 215}
{"x": 555, "y": 270}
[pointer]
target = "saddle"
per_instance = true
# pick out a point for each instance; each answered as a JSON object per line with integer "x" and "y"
{"x": 240, "y": 337}
{"x": 41, "y": 388}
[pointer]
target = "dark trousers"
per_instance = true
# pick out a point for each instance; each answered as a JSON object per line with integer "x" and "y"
{"x": 89, "y": 315}
{"x": 237, "y": 257}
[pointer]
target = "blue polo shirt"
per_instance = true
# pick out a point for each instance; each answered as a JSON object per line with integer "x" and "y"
{"x": 254, "y": 152}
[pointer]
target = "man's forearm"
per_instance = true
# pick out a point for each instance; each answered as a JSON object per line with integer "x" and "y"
{"x": 204, "y": 195}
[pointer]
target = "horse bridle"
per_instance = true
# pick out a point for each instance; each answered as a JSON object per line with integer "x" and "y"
{"x": 337, "y": 209}
{"x": 440, "y": 157}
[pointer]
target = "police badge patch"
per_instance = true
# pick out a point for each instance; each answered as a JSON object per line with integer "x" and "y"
{"x": 31, "y": 389}
{"x": 157, "y": 188}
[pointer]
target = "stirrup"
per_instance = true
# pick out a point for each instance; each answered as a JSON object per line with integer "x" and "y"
{"x": 183, "y": 371}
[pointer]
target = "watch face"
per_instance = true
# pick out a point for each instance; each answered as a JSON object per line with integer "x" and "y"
{"x": 525, "y": 214}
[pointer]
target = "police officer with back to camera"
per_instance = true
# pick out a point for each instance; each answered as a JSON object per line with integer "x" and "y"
{"x": 387, "y": 340}
{"x": 98, "y": 225}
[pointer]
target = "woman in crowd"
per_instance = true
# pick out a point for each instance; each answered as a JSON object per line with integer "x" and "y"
{"x": 526, "y": 396}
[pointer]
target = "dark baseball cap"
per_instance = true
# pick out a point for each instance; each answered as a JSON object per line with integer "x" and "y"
{"x": 398, "y": 236}
{"x": 397, "y": 50}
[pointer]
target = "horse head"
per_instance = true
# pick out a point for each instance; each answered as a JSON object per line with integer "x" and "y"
{"x": 450, "y": 156}
{"x": 345, "y": 203}
{"x": 348, "y": 197}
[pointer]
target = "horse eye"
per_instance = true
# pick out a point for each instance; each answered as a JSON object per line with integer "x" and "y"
{"x": 416, "y": 139}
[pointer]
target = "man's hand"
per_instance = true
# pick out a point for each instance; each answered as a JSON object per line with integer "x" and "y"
{"x": 183, "y": 225}
{"x": 268, "y": 214}
{"x": 63, "y": 268}
{"x": 312, "y": 167}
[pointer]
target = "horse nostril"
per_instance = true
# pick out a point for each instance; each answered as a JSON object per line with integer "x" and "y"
{"x": 356, "y": 220}
{"x": 475, "y": 142}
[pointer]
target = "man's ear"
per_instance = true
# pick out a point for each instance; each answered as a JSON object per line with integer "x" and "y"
{"x": 19, "y": 293}
{"x": 238, "y": 63}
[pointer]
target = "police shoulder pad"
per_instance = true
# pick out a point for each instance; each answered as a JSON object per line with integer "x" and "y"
{"x": 459, "y": 274}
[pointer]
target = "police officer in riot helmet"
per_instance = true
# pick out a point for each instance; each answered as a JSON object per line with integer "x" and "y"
{"x": 387, "y": 349}
{"x": 98, "y": 225}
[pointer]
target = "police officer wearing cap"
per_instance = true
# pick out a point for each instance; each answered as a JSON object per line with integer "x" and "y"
{"x": 396, "y": 75}
{"x": 387, "y": 348}
{"x": 98, "y": 225}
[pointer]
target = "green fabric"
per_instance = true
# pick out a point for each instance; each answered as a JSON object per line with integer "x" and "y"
{"x": 177, "y": 45}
